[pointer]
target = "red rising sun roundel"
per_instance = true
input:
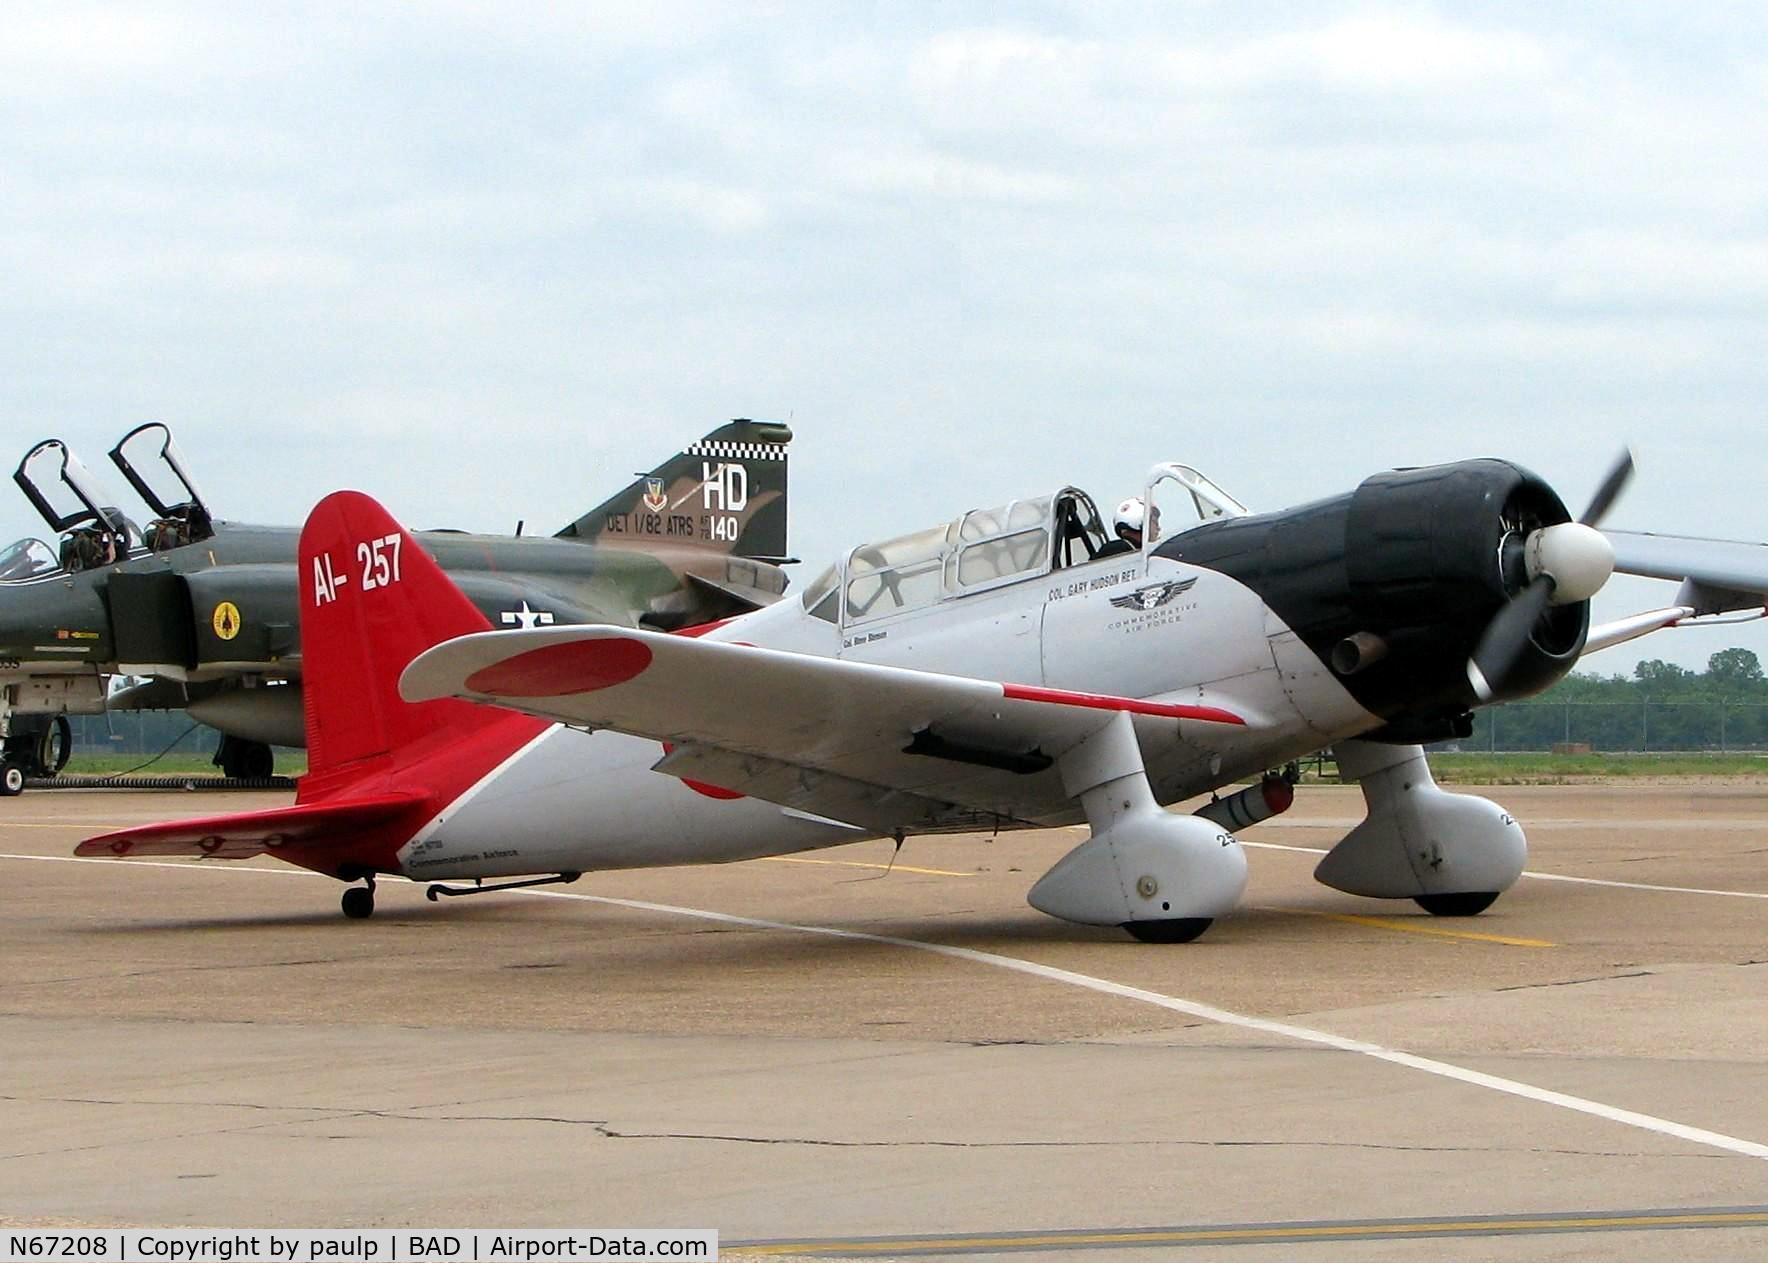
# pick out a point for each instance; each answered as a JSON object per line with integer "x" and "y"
{"x": 576, "y": 666}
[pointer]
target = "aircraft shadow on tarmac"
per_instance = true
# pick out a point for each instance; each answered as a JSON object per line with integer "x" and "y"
{"x": 603, "y": 926}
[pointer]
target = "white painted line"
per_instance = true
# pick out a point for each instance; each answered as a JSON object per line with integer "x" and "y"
{"x": 1582, "y": 881}
{"x": 1638, "y": 885}
{"x": 1192, "y": 1008}
{"x": 1278, "y": 846}
{"x": 1104, "y": 986}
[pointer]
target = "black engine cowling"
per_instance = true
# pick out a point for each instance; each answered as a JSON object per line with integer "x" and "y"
{"x": 1393, "y": 585}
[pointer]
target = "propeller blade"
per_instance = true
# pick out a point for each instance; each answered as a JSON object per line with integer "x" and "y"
{"x": 1506, "y": 636}
{"x": 1610, "y": 488}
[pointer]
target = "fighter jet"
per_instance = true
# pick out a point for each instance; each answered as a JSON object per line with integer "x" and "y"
{"x": 206, "y": 610}
{"x": 1013, "y": 667}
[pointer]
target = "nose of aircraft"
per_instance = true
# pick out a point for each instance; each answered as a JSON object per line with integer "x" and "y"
{"x": 1398, "y": 583}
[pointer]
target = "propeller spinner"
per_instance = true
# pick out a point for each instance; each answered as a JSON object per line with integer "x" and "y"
{"x": 1566, "y": 563}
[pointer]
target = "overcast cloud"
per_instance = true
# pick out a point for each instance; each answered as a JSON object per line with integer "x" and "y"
{"x": 487, "y": 263}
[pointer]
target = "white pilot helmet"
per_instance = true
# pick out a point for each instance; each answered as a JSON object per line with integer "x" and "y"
{"x": 1131, "y": 515}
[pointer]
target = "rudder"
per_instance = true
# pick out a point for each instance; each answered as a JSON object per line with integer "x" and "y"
{"x": 372, "y": 600}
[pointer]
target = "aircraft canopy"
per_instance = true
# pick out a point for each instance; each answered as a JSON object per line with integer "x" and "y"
{"x": 989, "y": 548}
{"x": 26, "y": 559}
{"x": 978, "y": 551}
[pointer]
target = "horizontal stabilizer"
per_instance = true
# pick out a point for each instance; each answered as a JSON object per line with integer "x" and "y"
{"x": 241, "y": 835}
{"x": 741, "y": 597}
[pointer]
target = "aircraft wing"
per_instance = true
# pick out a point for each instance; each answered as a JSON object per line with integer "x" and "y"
{"x": 882, "y": 747}
{"x": 1717, "y": 574}
{"x": 245, "y": 834}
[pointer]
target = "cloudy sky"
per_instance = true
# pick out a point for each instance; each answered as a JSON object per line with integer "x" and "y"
{"x": 486, "y": 262}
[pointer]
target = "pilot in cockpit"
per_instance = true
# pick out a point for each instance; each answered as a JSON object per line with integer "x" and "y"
{"x": 183, "y": 524}
{"x": 88, "y": 548}
{"x": 1131, "y": 517}
{"x": 101, "y": 540}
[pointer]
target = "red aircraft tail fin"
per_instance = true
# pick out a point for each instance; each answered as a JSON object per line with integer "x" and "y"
{"x": 372, "y": 600}
{"x": 380, "y": 767}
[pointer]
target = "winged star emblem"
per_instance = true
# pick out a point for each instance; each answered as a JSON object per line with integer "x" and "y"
{"x": 1153, "y": 595}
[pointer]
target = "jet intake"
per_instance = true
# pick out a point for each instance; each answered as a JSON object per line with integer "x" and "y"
{"x": 155, "y": 625}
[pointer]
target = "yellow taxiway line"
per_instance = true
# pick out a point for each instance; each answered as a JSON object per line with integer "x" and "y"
{"x": 1369, "y": 1230}
{"x": 1407, "y": 927}
{"x": 899, "y": 868}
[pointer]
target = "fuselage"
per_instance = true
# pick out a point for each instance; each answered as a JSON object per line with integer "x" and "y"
{"x": 579, "y": 801}
{"x": 1246, "y": 613}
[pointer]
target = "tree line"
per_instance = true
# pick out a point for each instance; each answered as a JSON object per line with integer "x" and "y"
{"x": 1661, "y": 706}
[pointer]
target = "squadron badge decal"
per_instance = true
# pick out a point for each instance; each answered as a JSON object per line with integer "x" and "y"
{"x": 656, "y": 500}
{"x": 226, "y": 620}
{"x": 1152, "y": 596}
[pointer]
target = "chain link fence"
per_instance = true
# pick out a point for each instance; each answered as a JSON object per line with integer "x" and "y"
{"x": 132, "y": 732}
{"x": 1620, "y": 727}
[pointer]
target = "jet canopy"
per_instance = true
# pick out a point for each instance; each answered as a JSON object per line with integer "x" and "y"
{"x": 26, "y": 559}
{"x": 991, "y": 548}
{"x": 69, "y": 499}
{"x": 149, "y": 458}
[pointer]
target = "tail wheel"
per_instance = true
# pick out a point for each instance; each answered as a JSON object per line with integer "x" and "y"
{"x": 12, "y": 780}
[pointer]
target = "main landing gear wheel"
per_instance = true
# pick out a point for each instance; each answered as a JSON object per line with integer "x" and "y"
{"x": 358, "y": 902}
{"x": 1174, "y": 930}
{"x": 55, "y": 746}
{"x": 12, "y": 779}
{"x": 1468, "y": 905}
{"x": 245, "y": 760}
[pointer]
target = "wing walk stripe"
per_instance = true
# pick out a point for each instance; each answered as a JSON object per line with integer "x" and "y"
{"x": 1104, "y": 701}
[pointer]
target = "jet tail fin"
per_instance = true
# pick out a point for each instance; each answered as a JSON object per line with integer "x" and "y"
{"x": 726, "y": 493}
{"x": 372, "y": 600}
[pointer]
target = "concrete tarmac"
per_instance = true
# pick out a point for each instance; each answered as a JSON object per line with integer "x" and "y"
{"x": 1581, "y": 1071}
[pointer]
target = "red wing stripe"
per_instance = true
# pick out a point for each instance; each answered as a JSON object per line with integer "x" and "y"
{"x": 700, "y": 629}
{"x": 1104, "y": 701}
